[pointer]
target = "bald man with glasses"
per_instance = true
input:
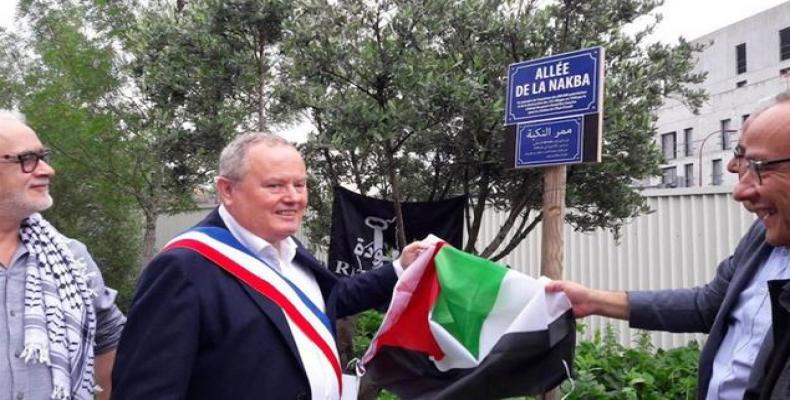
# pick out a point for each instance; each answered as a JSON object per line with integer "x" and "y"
{"x": 734, "y": 308}
{"x": 762, "y": 162}
{"x": 59, "y": 326}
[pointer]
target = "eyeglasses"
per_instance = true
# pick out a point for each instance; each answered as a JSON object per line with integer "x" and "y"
{"x": 28, "y": 160}
{"x": 757, "y": 167}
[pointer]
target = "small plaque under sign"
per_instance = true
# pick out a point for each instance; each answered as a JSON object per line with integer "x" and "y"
{"x": 549, "y": 142}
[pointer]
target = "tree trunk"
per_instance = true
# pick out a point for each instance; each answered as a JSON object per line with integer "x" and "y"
{"x": 149, "y": 237}
{"x": 392, "y": 171}
{"x": 478, "y": 210}
{"x": 262, "y": 68}
{"x": 346, "y": 328}
{"x": 505, "y": 228}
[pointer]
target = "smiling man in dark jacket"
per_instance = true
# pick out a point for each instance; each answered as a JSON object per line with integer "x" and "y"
{"x": 236, "y": 308}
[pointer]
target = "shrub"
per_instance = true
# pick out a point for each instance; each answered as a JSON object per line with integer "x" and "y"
{"x": 607, "y": 369}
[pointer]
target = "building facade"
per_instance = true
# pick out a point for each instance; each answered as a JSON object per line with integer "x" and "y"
{"x": 747, "y": 62}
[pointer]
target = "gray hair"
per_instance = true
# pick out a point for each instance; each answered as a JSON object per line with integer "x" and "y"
{"x": 232, "y": 160}
{"x": 12, "y": 115}
{"x": 766, "y": 104}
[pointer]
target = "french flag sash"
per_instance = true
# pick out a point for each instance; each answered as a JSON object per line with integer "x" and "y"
{"x": 310, "y": 327}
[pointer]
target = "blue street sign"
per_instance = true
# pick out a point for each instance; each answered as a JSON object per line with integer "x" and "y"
{"x": 549, "y": 142}
{"x": 555, "y": 87}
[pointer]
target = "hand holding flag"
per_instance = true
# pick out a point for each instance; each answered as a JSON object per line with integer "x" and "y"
{"x": 463, "y": 327}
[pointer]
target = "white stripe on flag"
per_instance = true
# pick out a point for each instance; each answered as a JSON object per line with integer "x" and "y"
{"x": 522, "y": 305}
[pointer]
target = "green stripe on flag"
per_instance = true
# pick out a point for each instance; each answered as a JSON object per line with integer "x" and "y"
{"x": 469, "y": 287}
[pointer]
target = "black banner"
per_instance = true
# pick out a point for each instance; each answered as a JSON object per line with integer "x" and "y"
{"x": 363, "y": 234}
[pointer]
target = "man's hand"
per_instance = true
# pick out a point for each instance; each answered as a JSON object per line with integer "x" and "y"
{"x": 410, "y": 253}
{"x": 586, "y": 301}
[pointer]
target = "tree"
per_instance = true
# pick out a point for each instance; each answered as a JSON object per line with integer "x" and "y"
{"x": 202, "y": 70}
{"x": 79, "y": 91}
{"x": 173, "y": 82}
{"x": 155, "y": 89}
{"x": 400, "y": 88}
{"x": 57, "y": 76}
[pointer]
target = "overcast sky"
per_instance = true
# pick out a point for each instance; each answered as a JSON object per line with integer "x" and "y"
{"x": 689, "y": 18}
{"x": 695, "y": 18}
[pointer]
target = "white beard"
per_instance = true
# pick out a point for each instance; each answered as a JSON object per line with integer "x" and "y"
{"x": 17, "y": 206}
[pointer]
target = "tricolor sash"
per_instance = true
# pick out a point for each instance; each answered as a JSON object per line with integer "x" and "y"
{"x": 310, "y": 327}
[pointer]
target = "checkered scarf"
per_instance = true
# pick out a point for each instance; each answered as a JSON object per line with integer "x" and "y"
{"x": 59, "y": 318}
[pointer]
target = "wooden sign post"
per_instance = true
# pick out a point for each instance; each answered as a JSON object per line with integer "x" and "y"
{"x": 552, "y": 246}
{"x": 554, "y": 117}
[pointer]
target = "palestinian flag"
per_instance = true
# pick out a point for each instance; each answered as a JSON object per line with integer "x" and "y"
{"x": 462, "y": 327}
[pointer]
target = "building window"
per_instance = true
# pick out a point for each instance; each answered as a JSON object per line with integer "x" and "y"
{"x": 740, "y": 84}
{"x": 668, "y": 146}
{"x": 688, "y": 170}
{"x": 688, "y": 142}
{"x": 725, "y": 134}
{"x": 669, "y": 177}
{"x": 784, "y": 44}
{"x": 740, "y": 58}
{"x": 744, "y": 117}
{"x": 784, "y": 72}
{"x": 717, "y": 172}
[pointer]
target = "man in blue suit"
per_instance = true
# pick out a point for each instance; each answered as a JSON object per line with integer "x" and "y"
{"x": 734, "y": 309}
{"x": 236, "y": 308}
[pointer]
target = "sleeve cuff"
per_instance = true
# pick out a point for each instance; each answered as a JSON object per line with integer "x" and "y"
{"x": 397, "y": 267}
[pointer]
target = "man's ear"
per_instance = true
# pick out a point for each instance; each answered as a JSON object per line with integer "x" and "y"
{"x": 225, "y": 190}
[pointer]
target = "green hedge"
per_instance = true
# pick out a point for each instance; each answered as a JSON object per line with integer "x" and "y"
{"x": 606, "y": 369}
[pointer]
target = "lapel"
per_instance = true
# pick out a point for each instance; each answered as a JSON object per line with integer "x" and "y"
{"x": 271, "y": 310}
{"x": 276, "y": 315}
{"x": 772, "y": 362}
{"x": 325, "y": 279}
{"x": 741, "y": 279}
{"x": 747, "y": 263}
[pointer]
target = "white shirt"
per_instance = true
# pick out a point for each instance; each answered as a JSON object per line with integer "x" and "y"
{"x": 280, "y": 259}
{"x": 322, "y": 386}
{"x": 747, "y": 326}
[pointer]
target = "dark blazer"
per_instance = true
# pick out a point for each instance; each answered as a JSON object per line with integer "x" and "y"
{"x": 776, "y": 383}
{"x": 196, "y": 332}
{"x": 705, "y": 309}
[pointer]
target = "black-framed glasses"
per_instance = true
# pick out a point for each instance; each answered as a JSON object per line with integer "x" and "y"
{"x": 757, "y": 167}
{"x": 28, "y": 160}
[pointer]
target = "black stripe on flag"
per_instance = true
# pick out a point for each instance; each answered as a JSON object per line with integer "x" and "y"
{"x": 520, "y": 364}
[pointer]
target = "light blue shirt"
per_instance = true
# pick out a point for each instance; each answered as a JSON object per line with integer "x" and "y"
{"x": 33, "y": 381}
{"x": 747, "y": 326}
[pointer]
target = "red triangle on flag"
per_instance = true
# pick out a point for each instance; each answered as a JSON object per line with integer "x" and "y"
{"x": 412, "y": 331}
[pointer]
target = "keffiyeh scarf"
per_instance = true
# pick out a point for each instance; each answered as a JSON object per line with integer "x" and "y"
{"x": 59, "y": 318}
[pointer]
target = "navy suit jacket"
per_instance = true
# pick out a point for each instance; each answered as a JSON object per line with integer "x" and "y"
{"x": 706, "y": 309}
{"x": 196, "y": 332}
